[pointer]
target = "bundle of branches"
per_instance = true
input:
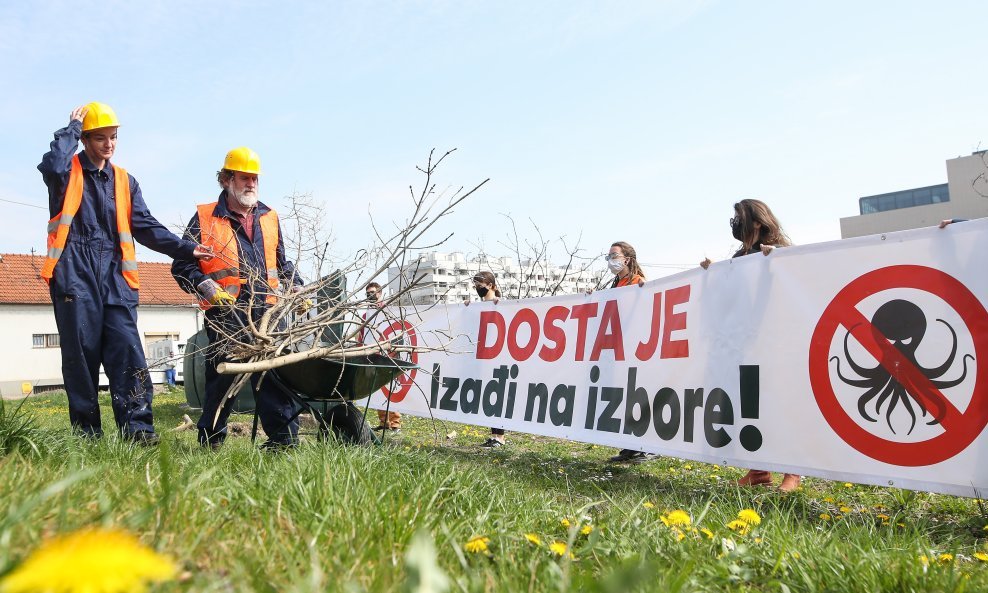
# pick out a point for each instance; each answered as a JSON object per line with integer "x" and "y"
{"x": 293, "y": 328}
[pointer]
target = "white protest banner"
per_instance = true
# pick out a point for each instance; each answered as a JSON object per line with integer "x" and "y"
{"x": 861, "y": 360}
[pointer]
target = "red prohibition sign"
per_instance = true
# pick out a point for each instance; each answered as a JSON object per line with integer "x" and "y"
{"x": 405, "y": 380}
{"x": 960, "y": 427}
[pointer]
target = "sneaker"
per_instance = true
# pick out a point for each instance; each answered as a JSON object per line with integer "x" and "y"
{"x": 492, "y": 443}
{"x": 632, "y": 456}
{"x": 144, "y": 438}
{"x": 380, "y": 427}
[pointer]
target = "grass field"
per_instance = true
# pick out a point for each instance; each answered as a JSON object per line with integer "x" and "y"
{"x": 536, "y": 515}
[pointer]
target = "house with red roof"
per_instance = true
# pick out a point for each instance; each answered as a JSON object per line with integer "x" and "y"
{"x": 30, "y": 358}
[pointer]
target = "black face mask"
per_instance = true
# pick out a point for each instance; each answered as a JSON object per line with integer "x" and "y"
{"x": 372, "y": 297}
{"x": 736, "y": 229}
{"x": 482, "y": 291}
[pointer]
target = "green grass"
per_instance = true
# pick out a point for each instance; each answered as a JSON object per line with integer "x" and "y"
{"x": 329, "y": 517}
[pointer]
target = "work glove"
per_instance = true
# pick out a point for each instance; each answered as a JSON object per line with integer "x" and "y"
{"x": 214, "y": 293}
{"x": 222, "y": 297}
{"x": 304, "y": 307}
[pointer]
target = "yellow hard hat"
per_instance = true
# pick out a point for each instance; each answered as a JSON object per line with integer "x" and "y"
{"x": 99, "y": 116}
{"x": 243, "y": 159}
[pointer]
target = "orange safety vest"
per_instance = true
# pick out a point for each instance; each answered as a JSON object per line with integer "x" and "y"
{"x": 58, "y": 227}
{"x": 629, "y": 280}
{"x": 224, "y": 267}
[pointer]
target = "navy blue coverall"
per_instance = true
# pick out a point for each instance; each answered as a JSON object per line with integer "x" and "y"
{"x": 95, "y": 308}
{"x": 275, "y": 410}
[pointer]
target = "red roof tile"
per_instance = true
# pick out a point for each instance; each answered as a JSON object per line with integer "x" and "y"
{"x": 20, "y": 283}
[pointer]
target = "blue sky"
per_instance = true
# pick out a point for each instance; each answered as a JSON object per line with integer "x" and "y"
{"x": 634, "y": 121}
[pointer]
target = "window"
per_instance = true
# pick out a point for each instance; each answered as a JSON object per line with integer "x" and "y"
{"x": 45, "y": 341}
{"x": 904, "y": 199}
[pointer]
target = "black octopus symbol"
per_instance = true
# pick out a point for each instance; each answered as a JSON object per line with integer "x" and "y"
{"x": 903, "y": 324}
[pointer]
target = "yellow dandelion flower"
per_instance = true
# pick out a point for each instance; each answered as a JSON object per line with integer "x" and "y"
{"x": 758, "y": 540}
{"x": 707, "y": 532}
{"x": 558, "y": 548}
{"x": 679, "y": 535}
{"x": 829, "y": 499}
{"x": 678, "y": 517}
{"x": 587, "y": 529}
{"x": 882, "y": 516}
{"x": 565, "y": 523}
{"x": 945, "y": 558}
{"x": 534, "y": 539}
{"x": 924, "y": 560}
{"x": 651, "y": 505}
{"x": 848, "y": 485}
{"x": 739, "y": 526}
{"x": 795, "y": 555}
{"x": 687, "y": 466}
{"x": 91, "y": 561}
{"x": 981, "y": 556}
{"x": 825, "y": 516}
{"x": 477, "y": 544}
{"x": 845, "y": 509}
{"x": 749, "y": 516}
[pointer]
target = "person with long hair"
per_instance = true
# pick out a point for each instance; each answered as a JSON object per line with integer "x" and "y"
{"x": 759, "y": 231}
{"x": 485, "y": 284}
{"x": 622, "y": 261}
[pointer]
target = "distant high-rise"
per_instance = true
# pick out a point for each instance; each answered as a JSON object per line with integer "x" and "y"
{"x": 447, "y": 278}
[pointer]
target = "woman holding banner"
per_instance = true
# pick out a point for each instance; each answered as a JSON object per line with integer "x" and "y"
{"x": 759, "y": 232}
{"x": 622, "y": 261}
{"x": 486, "y": 286}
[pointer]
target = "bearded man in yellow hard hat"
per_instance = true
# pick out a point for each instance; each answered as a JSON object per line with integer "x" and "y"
{"x": 245, "y": 277}
{"x": 97, "y": 213}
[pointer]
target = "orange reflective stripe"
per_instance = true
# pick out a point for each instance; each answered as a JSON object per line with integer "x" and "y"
{"x": 128, "y": 259}
{"x": 269, "y": 232}
{"x": 58, "y": 227}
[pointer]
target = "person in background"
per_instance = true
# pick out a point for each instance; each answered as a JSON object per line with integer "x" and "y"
{"x": 387, "y": 420}
{"x": 486, "y": 286}
{"x": 247, "y": 276}
{"x": 759, "y": 232}
{"x": 170, "y": 369}
{"x": 622, "y": 261}
{"x": 97, "y": 213}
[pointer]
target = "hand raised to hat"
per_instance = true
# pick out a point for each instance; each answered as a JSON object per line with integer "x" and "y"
{"x": 78, "y": 113}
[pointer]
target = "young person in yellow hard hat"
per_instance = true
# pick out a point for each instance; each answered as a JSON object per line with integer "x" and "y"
{"x": 249, "y": 270}
{"x": 97, "y": 213}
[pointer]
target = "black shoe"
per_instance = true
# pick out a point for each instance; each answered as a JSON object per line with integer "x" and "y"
{"x": 492, "y": 443}
{"x": 143, "y": 438}
{"x": 632, "y": 456}
{"x": 211, "y": 445}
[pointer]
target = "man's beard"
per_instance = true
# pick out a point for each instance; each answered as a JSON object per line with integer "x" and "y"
{"x": 243, "y": 198}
